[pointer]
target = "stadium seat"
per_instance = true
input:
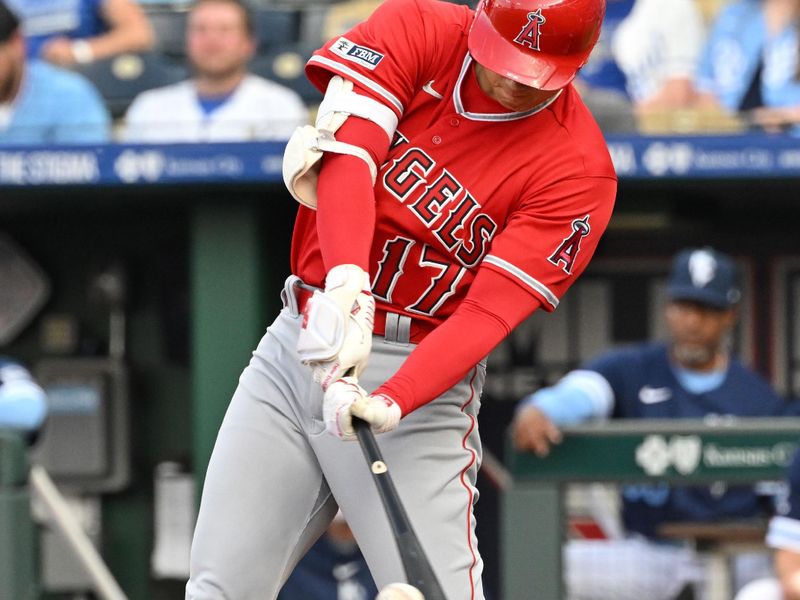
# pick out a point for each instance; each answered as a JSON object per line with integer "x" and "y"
{"x": 690, "y": 121}
{"x": 344, "y": 16}
{"x": 170, "y": 30}
{"x": 276, "y": 27}
{"x": 285, "y": 66}
{"x": 120, "y": 79}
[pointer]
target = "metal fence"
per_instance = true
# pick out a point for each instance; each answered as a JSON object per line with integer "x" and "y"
{"x": 678, "y": 451}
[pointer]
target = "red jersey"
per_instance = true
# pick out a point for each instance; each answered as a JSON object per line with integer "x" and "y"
{"x": 466, "y": 184}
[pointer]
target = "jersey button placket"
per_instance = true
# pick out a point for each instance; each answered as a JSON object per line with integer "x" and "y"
{"x": 437, "y": 139}
{"x": 454, "y": 122}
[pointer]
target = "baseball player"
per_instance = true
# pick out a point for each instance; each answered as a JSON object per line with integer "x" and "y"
{"x": 333, "y": 569}
{"x": 783, "y": 536}
{"x": 454, "y": 183}
{"x": 691, "y": 376}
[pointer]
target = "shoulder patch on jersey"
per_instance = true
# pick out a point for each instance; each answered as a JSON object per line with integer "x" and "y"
{"x": 566, "y": 253}
{"x": 361, "y": 55}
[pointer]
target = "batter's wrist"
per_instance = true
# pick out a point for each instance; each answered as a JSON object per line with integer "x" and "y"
{"x": 394, "y": 397}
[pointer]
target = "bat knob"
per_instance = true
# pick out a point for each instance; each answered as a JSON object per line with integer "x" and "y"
{"x": 400, "y": 591}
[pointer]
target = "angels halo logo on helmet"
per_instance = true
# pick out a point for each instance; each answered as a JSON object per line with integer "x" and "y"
{"x": 530, "y": 32}
{"x": 539, "y": 43}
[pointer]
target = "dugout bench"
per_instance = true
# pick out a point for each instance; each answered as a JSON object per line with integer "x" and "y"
{"x": 679, "y": 451}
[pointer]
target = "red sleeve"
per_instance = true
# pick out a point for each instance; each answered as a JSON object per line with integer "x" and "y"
{"x": 346, "y": 198}
{"x": 494, "y": 306}
{"x": 391, "y": 52}
{"x": 549, "y": 240}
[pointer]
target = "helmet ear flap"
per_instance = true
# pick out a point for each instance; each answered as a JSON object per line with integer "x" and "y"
{"x": 540, "y": 43}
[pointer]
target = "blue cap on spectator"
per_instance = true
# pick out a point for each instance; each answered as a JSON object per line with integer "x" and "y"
{"x": 706, "y": 276}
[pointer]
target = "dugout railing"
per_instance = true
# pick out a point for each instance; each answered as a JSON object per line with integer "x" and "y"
{"x": 18, "y": 577}
{"x": 679, "y": 451}
{"x": 20, "y": 483}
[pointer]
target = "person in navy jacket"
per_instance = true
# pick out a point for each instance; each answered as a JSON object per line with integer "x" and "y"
{"x": 692, "y": 375}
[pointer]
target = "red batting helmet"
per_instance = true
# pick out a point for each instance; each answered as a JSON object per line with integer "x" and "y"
{"x": 540, "y": 43}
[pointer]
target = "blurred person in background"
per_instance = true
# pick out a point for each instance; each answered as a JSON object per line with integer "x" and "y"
{"x": 601, "y": 82}
{"x": 750, "y": 64}
{"x": 222, "y": 102}
{"x": 68, "y": 32}
{"x": 783, "y": 537}
{"x": 333, "y": 569}
{"x": 43, "y": 104}
{"x": 640, "y": 67}
{"x": 657, "y": 50}
{"x": 693, "y": 375}
{"x": 23, "y": 404}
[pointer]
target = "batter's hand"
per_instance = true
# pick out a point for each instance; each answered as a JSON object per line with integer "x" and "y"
{"x": 344, "y": 398}
{"x": 336, "y": 336}
{"x": 533, "y": 430}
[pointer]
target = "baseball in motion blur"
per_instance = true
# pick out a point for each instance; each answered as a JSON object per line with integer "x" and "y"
{"x": 400, "y": 591}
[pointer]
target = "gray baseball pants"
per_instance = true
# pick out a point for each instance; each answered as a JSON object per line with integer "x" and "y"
{"x": 276, "y": 477}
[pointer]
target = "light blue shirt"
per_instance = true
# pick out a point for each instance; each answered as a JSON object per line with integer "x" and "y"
{"x": 584, "y": 394}
{"x": 43, "y": 20}
{"x": 23, "y": 404}
{"x": 698, "y": 382}
{"x": 738, "y": 42}
{"x": 55, "y": 106}
{"x": 579, "y": 396}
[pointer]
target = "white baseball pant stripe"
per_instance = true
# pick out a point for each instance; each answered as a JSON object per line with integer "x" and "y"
{"x": 276, "y": 477}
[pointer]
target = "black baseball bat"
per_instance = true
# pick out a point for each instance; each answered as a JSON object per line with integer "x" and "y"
{"x": 419, "y": 572}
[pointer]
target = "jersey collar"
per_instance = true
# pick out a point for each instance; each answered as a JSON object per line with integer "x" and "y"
{"x": 513, "y": 116}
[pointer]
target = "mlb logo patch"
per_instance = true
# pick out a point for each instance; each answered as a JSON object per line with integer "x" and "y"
{"x": 362, "y": 55}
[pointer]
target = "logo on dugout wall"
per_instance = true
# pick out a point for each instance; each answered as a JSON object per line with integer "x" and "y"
{"x": 655, "y": 454}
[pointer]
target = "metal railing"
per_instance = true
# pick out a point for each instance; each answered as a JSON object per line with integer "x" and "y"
{"x": 18, "y": 577}
{"x": 677, "y": 451}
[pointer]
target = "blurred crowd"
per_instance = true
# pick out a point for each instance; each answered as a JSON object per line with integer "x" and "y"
{"x": 89, "y": 71}
{"x": 706, "y": 66}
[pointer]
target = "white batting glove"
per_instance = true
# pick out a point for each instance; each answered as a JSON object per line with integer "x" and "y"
{"x": 336, "y": 336}
{"x": 344, "y": 398}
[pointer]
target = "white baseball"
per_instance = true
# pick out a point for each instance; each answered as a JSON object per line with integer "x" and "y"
{"x": 400, "y": 591}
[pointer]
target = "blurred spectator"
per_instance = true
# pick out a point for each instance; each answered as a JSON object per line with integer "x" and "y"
{"x": 23, "y": 405}
{"x": 601, "y": 82}
{"x": 658, "y": 51}
{"x": 691, "y": 376}
{"x": 333, "y": 569}
{"x": 66, "y": 32}
{"x": 223, "y": 102}
{"x": 40, "y": 103}
{"x": 784, "y": 538}
{"x": 640, "y": 66}
{"x": 750, "y": 63}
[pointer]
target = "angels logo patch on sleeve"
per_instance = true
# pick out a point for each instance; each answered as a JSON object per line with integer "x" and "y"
{"x": 567, "y": 251}
{"x": 366, "y": 57}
